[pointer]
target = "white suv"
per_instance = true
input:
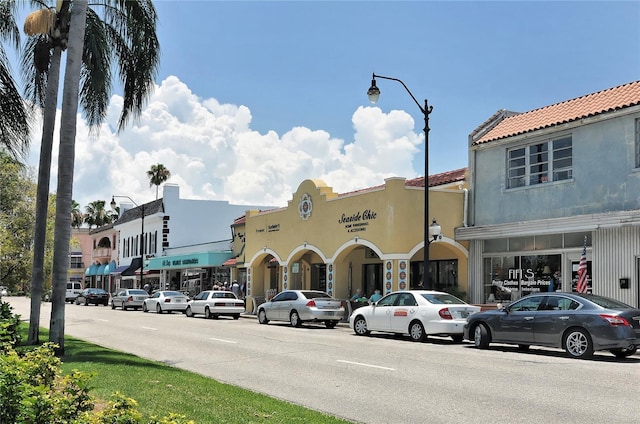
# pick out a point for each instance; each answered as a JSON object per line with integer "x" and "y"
{"x": 73, "y": 290}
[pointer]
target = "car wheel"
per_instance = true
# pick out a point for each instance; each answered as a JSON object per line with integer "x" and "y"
{"x": 86, "y": 302}
{"x": 577, "y": 343}
{"x": 189, "y": 312}
{"x": 113, "y": 305}
{"x": 124, "y": 307}
{"x": 523, "y": 347}
{"x": 360, "y": 326}
{"x": 144, "y": 308}
{"x": 158, "y": 308}
{"x": 416, "y": 332}
{"x": 457, "y": 338}
{"x": 262, "y": 317}
{"x": 106, "y": 303}
{"x": 236, "y": 316}
{"x": 481, "y": 337}
{"x": 294, "y": 319}
{"x": 207, "y": 313}
{"x": 76, "y": 302}
{"x": 623, "y": 353}
{"x": 215, "y": 316}
{"x": 330, "y": 324}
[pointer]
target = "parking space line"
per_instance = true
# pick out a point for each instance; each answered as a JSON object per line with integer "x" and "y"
{"x": 150, "y": 328}
{"x": 103, "y": 320}
{"x": 222, "y": 340}
{"x": 366, "y": 365}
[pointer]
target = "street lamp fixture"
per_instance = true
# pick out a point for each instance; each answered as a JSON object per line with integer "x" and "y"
{"x": 374, "y": 95}
{"x": 142, "y": 243}
{"x": 435, "y": 232}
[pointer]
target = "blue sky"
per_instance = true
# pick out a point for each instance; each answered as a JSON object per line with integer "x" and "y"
{"x": 253, "y": 97}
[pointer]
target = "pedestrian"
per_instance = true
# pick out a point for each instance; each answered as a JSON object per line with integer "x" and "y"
{"x": 235, "y": 288}
{"x": 375, "y": 296}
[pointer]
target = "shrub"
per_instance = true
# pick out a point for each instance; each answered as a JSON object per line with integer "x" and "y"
{"x": 9, "y": 336}
{"x": 33, "y": 390}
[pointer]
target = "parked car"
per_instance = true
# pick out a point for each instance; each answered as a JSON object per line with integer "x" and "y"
{"x": 419, "y": 313}
{"x": 74, "y": 288}
{"x": 578, "y": 323}
{"x": 165, "y": 301}
{"x": 298, "y": 306}
{"x": 214, "y": 303}
{"x": 129, "y": 298}
{"x": 92, "y": 296}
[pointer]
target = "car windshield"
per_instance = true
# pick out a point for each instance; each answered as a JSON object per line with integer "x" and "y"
{"x": 314, "y": 295}
{"x": 605, "y": 302}
{"x": 138, "y": 292}
{"x": 172, "y": 294}
{"x": 442, "y": 298}
{"x": 226, "y": 295}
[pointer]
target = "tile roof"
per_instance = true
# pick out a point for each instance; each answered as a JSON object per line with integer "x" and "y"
{"x": 604, "y": 101}
{"x": 132, "y": 214}
{"x": 434, "y": 181}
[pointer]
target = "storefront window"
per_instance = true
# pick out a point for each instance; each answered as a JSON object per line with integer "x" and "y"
{"x": 511, "y": 277}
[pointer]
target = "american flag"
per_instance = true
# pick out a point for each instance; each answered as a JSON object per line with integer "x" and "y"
{"x": 582, "y": 270}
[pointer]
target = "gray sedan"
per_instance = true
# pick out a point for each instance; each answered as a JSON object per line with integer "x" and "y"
{"x": 578, "y": 323}
{"x": 298, "y": 306}
{"x": 129, "y": 298}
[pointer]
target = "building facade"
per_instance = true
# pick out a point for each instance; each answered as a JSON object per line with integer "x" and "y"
{"x": 549, "y": 183}
{"x": 368, "y": 239}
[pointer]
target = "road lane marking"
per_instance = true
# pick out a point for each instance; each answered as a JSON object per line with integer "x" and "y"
{"x": 222, "y": 340}
{"x": 150, "y": 328}
{"x": 103, "y": 320}
{"x": 366, "y": 365}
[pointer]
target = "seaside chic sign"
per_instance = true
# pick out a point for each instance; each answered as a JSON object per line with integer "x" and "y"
{"x": 358, "y": 221}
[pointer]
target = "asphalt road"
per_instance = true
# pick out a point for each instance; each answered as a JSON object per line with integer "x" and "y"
{"x": 379, "y": 379}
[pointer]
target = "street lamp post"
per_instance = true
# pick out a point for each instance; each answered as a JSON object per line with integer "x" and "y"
{"x": 142, "y": 243}
{"x": 374, "y": 95}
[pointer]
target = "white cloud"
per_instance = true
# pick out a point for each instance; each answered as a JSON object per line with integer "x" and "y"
{"x": 213, "y": 153}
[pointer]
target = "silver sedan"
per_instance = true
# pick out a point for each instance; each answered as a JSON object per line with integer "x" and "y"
{"x": 298, "y": 306}
{"x": 165, "y": 301}
{"x": 129, "y": 298}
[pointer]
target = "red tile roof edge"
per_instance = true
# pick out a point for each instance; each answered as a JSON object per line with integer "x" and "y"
{"x": 607, "y": 100}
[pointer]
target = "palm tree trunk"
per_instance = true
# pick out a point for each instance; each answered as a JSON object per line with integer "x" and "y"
{"x": 42, "y": 196}
{"x": 66, "y": 162}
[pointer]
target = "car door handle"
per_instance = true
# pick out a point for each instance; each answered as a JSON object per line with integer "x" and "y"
{"x": 564, "y": 317}
{"x": 528, "y": 318}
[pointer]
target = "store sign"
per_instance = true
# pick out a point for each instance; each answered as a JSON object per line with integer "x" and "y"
{"x": 358, "y": 221}
{"x": 178, "y": 262}
{"x": 524, "y": 280}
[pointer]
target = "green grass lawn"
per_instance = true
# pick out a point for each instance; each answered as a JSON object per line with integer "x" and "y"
{"x": 160, "y": 389}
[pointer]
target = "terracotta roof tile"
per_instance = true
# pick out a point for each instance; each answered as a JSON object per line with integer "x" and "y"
{"x": 608, "y": 100}
{"x": 434, "y": 181}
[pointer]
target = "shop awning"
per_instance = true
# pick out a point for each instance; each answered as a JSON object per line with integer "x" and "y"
{"x": 119, "y": 269}
{"x": 91, "y": 271}
{"x": 230, "y": 262}
{"x": 110, "y": 268}
{"x": 100, "y": 270}
{"x": 133, "y": 267}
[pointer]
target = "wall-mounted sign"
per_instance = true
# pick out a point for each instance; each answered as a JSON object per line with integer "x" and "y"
{"x": 358, "y": 221}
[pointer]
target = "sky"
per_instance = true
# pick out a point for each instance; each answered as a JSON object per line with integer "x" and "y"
{"x": 254, "y": 97}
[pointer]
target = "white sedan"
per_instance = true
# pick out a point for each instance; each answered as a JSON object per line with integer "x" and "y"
{"x": 165, "y": 301}
{"x": 420, "y": 313}
{"x": 213, "y": 303}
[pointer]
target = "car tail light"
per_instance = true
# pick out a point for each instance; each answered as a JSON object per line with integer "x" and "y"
{"x": 615, "y": 320}
{"x": 311, "y": 303}
{"x": 445, "y": 313}
{"x": 167, "y": 300}
{"x": 130, "y": 299}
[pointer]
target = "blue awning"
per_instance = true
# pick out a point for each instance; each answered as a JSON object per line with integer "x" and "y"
{"x": 110, "y": 268}
{"x": 91, "y": 270}
{"x": 100, "y": 270}
{"x": 119, "y": 269}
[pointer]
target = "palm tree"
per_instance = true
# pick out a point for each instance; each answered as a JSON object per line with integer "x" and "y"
{"x": 96, "y": 214}
{"x": 126, "y": 33}
{"x": 158, "y": 174}
{"x": 14, "y": 116}
{"x": 77, "y": 217}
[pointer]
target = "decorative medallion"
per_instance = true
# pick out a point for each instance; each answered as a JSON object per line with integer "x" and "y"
{"x": 305, "y": 206}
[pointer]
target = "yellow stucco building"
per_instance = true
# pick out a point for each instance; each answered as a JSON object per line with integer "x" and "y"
{"x": 368, "y": 239}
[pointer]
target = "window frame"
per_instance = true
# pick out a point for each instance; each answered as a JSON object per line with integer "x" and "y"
{"x": 540, "y": 162}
